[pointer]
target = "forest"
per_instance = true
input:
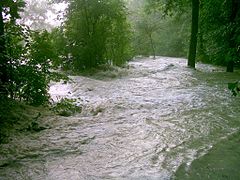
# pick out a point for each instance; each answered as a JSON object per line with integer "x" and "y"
{"x": 191, "y": 48}
{"x": 110, "y": 33}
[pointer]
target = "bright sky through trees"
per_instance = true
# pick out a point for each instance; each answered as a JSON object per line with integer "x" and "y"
{"x": 50, "y": 15}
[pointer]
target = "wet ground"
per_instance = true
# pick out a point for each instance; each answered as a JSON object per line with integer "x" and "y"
{"x": 220, "y": 163}
{"x": 142, "y": 125}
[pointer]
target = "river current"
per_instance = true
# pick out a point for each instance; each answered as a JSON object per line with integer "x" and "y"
{"x": 141, "y": 125}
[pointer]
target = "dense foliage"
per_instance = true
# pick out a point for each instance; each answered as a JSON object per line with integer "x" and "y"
{"x": 220, "y": 32}
{"x": 96, "y": 32}
{"x": 26, "y": 61}
{"x": 29, "y": 63}
{"x": 234, "y": 88}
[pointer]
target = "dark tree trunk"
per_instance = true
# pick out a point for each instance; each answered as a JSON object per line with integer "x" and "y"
{"x": 2, "y": 41}
{"x": 3, "y": 78}
{"x": 232, "y": 42}
{"x": 194, "y": 32}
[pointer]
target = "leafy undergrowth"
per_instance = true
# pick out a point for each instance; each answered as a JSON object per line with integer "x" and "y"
{"x": 18, "y": 117}
{"x": 221, "y": 162}
{"x": 66, "y": 107}
{"x": 234, "y": 88}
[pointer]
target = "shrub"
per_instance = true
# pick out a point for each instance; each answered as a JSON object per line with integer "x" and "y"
{"x": 234, "y": 88}
{"x": 66, "y": 107}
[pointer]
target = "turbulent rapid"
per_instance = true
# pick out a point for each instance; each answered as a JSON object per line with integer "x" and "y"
{"x": 141, "y": 125}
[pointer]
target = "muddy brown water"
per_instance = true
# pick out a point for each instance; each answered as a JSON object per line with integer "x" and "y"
{"x": 142, "y": 125}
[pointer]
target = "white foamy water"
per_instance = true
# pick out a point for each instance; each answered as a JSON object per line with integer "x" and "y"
{"x": 141, "y": 126}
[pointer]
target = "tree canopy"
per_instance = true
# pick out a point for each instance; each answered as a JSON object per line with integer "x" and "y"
{"x": 26, "y": 58}
{"x": 97, "y": 33}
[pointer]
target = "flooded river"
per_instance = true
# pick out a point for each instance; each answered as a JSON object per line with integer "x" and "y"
{"x": 142, "y": 125}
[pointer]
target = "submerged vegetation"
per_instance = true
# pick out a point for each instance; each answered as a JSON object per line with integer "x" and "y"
{"x": 66, "y": 107}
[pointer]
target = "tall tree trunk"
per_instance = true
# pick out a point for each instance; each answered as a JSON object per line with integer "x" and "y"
{"x": 232, "y": 42}
{"x": 2, "y": 41}
{"x": 194, "y": 32}
{"x": 3, "y": 77}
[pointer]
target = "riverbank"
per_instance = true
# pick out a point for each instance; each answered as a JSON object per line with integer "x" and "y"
{"x": 17, "y": 118}
{"x": 221, "y": 162}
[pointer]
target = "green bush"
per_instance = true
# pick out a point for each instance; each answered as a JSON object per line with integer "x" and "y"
{"x": 96, "y": 33}
{"x": 29, "y": 71}
{"x": 234, "y": 88}
{"x": 66, "y": 107}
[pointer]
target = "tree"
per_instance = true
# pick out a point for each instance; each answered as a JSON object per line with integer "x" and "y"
{"x": 194, "y": 34}
{"x": 32, "y": 78}
{"x": 156, "y": 33}
{"x": 30, "y": 55}
{"x": 220, "y": 31}
{"x": 147, "y": 25}
{"x": 168, "y": 6}
{"x": 234, "y": 21}
{"x": 97, "y": 33}
{"x": 26, "y": 58}
{"x": 2, "y": 52}
{"x": 8, "y": 8}
{"x": 61, "y": 47}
